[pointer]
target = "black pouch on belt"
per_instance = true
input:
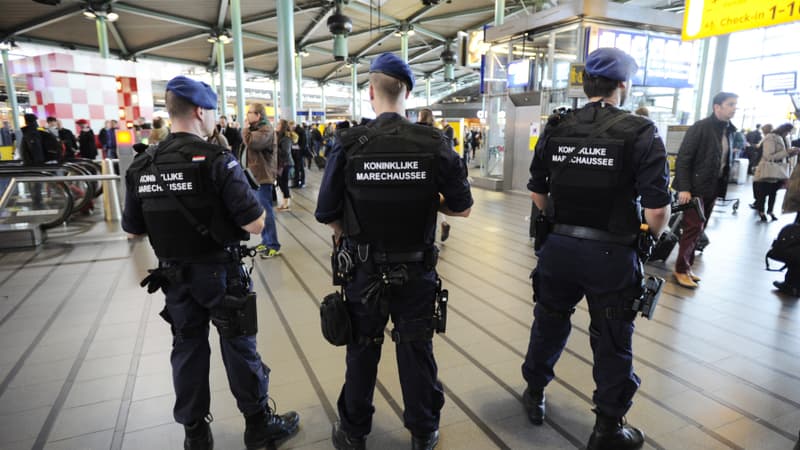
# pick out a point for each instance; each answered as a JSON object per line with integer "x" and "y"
{"x": 335, "y": 320}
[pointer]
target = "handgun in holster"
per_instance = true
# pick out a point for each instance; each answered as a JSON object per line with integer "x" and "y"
{"x": 440, "y": 309}
{"x": 651, "y": 292}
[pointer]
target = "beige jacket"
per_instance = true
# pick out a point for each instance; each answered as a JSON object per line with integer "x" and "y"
{"x": 261, "y": 153}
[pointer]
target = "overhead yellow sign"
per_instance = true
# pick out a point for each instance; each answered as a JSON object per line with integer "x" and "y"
{"x": 704, "y": 18}
{"x": 575, "y": 86}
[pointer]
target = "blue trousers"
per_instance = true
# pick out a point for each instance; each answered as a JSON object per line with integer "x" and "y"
{"x": 568, "y": 269}
{"x": 269, "y": 235}
{"x": 423, "y": 396}
{"x": 187, "y": 308}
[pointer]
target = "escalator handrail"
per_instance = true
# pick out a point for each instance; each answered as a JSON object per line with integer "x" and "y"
{"x": 45, "y": 179}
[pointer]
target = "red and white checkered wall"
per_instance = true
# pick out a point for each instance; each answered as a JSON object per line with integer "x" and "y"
{"x": 72, "y": 87}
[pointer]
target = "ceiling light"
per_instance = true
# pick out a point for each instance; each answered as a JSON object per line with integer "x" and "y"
{"x": 398, "y": 33}
{"x": 89, "y": 14}
{"x": 211, "y": 39}
{"x": 225, "y": 38}
{"x": 410, "y": 30}
{"x": 112, "y": 16}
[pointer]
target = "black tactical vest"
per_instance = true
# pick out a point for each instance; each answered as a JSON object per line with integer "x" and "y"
{"x": 593, "y": 186}
{"x": 391, "y": 195}
{"x": 185, "y": 166}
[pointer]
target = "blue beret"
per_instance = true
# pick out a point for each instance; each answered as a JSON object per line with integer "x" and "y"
{"x": 611, "y": 63}
{"x": 197, "y": 92}
{"x": 389, "y": 64}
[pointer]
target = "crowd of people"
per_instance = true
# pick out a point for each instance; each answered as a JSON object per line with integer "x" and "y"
{"x": 383, "y": 218}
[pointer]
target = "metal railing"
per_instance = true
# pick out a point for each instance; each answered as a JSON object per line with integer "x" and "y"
{"x": 112, "y": 208}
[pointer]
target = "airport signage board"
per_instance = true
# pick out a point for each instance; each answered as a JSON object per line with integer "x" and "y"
{"x": 779, "y": 82}
{"x": 663, "y": 61}
{"x": 704, "y": 18}
{"x": 575, "y": 86}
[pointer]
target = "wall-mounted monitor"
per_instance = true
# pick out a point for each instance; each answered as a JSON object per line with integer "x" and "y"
{"x": 779, "y": 82}
{"x": 519, "y": 73}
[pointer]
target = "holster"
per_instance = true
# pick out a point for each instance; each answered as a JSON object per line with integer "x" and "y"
{"x": 236, "y": 315}
{"x": 335, "y": 320}
{"x": 543, "y": 227}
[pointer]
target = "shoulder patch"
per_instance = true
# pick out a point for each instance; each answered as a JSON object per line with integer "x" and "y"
{"x": 233, "y": 164}
{"x": 198, "y": 158}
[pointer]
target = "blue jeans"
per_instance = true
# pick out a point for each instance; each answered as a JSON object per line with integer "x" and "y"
{"x": 269, "y": 235}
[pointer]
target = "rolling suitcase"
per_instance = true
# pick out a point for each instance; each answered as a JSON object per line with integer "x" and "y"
{"x": 668, "y": 240}
{"x": 319, "y": 160}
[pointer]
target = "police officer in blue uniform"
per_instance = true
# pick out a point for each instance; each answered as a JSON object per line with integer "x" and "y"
{"x": 598, "y": 167}
{"x": 195, "y": 204}
{"x": 382, "y": 187}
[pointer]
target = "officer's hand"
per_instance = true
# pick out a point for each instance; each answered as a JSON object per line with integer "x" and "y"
{"x": 684, "y": 197}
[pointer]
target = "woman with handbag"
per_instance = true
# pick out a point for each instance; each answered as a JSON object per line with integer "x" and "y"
{"x": 773, "y": 170}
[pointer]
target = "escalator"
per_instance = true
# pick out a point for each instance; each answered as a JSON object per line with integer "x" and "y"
{"x": 46, "y": 204}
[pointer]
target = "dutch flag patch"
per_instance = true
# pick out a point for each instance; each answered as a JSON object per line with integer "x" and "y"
{"x": 198, "y": 158}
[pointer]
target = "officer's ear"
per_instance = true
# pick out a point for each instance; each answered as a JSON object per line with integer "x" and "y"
{"x": 371, "y": 92}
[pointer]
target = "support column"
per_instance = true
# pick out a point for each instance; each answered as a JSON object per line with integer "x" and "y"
{"x": 102, "y": 36}
{"x": 223, "y": 101}
{"x": 718, "y": 74}
{"x": 701, "y": 79}
{"x": 354, "y": 86}
{"x": 499, "y": 12}
{"x": 238, "y": 59}
{"x": 275, "y": 99}
{"x": 324, "y": 103}
{"x": 12, "y": 96}
{"x": 404, "y": 46}
{"x": 298, "y": 67}
{"x": 285, "y": 54}
{"x": 428, "y": 90}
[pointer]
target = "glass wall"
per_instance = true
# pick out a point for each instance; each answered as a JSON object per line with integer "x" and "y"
{"x": 495, "y": 98}
{"x": 754, "y": 54}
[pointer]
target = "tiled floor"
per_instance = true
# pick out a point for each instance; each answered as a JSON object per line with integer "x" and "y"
{"x": 84, "y": 357}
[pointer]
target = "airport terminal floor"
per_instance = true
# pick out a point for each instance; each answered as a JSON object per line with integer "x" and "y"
{"x": 84, "y": 356}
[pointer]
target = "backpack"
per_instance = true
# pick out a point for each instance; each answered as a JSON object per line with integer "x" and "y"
{"x": 786, "y": 247}
{"x": 53, "y": 148}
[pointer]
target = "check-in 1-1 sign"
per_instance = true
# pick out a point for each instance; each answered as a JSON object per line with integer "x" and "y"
{"x": 704, "y": 18}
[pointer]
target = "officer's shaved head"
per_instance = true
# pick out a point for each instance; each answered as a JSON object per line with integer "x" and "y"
{"x": 178, "y": 107}
{"x": 389, "y": 87}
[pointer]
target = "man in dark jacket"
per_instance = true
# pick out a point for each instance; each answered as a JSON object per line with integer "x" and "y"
{"x": 232, "y": 134}
{"x": 701, "y": 170}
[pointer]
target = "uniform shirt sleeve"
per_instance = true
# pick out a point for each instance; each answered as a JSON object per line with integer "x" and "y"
{"x": 237, "y": 195}
{"x": 539, "y": 181}
{"x": 331, "y": 190}
{"x": 452, "y": 180}
{"x": 132, "y": 217}
{"x": 651, "y": 169}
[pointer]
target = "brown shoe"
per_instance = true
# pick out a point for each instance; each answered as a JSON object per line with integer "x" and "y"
{"x": 693, "y": 276}
{"x": 685, "y": 280}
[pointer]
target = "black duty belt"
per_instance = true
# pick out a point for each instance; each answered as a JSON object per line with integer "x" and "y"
{"x": 594, "y": 234}
{"x": 397, "y": 257}
{"x": 220, "y": 257}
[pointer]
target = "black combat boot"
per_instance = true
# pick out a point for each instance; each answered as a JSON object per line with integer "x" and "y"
{"x": 426, "y": 441}
{"x": 533, "y": 400}
{"x": 612, "y": 433}
{"x": 344, "y": 441}
{"x": 198, "y": 436}
{"x": 266, "y": 426}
